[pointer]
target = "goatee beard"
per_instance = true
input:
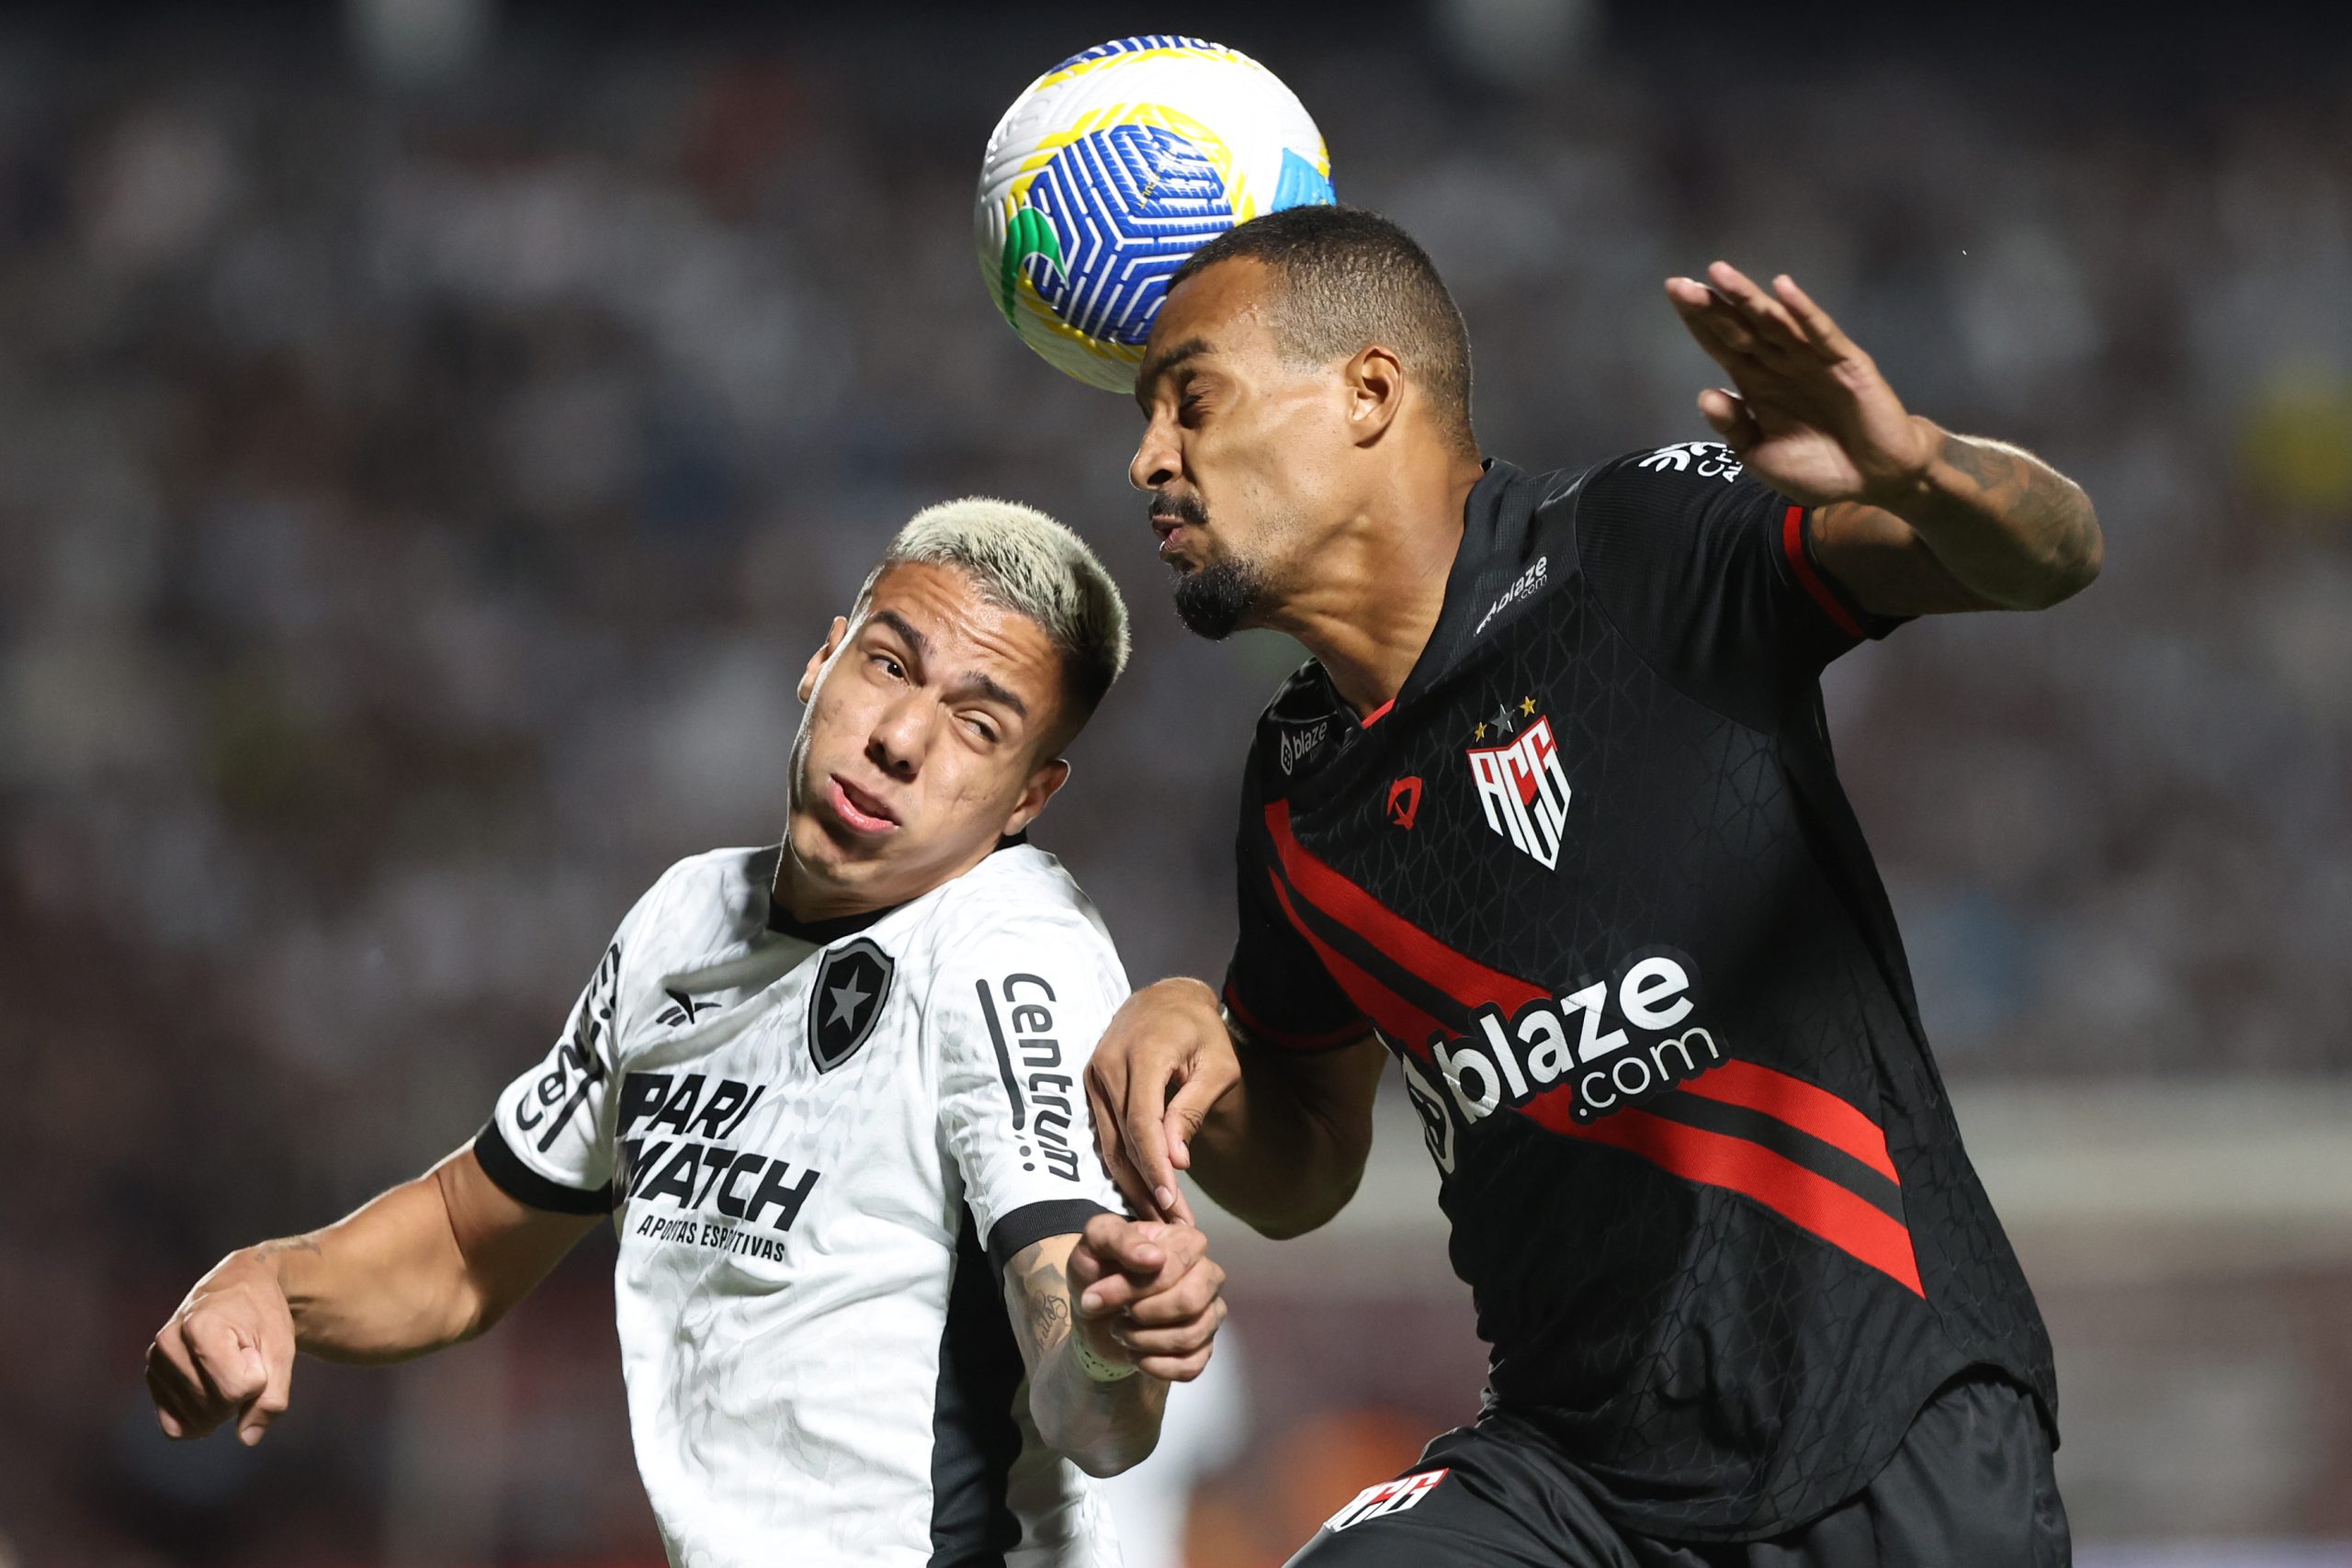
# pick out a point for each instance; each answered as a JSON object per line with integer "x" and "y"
{"x": 1214, "y": 601}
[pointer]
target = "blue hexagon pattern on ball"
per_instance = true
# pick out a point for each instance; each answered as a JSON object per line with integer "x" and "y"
{"x": 1114, "y": 166}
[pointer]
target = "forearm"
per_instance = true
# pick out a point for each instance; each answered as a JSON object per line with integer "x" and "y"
{"x": 2002, "y": 523}
{"x": 1103, "y": 1428}
{"x": 1282, "y": 1162}
{"x": 386, "y": 1282}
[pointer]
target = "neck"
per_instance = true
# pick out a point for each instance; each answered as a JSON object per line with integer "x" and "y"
{"x": 806, "y": 897}
{"x": 1376, "y": 589}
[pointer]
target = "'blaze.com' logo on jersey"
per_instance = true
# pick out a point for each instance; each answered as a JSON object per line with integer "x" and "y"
{"x": 1605, "y": 1042}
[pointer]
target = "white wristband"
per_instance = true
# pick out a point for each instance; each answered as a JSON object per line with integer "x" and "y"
{"x": 1096, "y": 1368}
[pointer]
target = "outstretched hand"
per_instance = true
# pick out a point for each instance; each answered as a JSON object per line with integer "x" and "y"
{"x": 1807, "y": 411}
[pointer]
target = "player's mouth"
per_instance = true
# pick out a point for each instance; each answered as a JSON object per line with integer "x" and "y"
{"x": 1177, "y": 519}
{"x": 858, "y": 811}
{"x": 1171, "y": 538}
{"x": 1175, "y": 535}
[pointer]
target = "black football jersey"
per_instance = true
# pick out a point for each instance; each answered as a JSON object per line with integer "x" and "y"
{"x": 1593, "y": 880}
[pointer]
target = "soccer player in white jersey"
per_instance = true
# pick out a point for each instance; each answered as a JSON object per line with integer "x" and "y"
{"x": 829, "y": 1094}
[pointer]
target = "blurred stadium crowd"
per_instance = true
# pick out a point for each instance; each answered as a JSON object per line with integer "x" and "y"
{"x": 416, "y": 505}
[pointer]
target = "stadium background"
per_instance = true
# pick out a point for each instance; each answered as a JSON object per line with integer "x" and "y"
{"x": 432, "y": 436}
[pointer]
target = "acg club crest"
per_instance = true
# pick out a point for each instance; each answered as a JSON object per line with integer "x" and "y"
{"x": 851, "y": 984}
{"x": 1520, "y": 781}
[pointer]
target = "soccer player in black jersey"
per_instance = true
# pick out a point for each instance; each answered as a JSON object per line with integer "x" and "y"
{"x": 1552, "y": 819}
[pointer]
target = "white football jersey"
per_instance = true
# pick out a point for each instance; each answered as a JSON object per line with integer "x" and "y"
{"x": 820, "y": 1145}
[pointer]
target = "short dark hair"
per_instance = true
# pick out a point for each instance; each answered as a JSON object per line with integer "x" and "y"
{"x": 1351, "y": 278}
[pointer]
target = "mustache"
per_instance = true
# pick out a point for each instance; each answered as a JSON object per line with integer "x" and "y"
{"x": 1186, "y": 508}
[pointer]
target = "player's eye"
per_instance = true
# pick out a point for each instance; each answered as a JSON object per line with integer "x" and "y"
{"x": 888, "y": 665}
{"x": 982, "y": 729}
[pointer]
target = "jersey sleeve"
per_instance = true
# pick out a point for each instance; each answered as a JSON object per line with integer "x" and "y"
{"x": 1014, "y": 1016}
{"x": 1276, "y": 990}
{"x": 1712, "y": 576}
{"x": 548, "y": 1142}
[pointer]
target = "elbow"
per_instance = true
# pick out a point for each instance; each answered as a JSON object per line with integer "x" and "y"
{"x": 1291, "y": 1224}
{"x": 1101, "y": 1454}
{"x": 1309, "y": 1212}
{"x": 1103, "y": 1460}
{"x": 2073, "y": 565}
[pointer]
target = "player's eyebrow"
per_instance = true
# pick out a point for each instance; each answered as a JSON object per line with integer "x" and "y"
{"x": 1163, "y": 362}
{"x": 972, "y": 685}
{"x": 918, "y": 644}
{"x": 993, "y": 690}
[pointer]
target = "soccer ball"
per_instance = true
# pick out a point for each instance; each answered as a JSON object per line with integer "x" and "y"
{"x": 1112, "y": 168}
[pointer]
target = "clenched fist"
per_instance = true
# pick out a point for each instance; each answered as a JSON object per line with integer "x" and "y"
{"x": 1152, "y": 1290}
{"x": 227, "y": 1351}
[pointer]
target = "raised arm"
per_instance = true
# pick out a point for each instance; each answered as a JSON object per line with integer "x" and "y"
{"x": 431, "y": 1262}
{"x": 1279, "y": 1138}
{"x": 1911, "y": 518}
{"x": 1106, "y": 1321}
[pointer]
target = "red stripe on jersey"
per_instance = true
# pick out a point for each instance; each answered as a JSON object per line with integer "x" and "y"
{"x": 1287, "y": 1038}
{"x": 1398, "y": 1019}
{"x": 1792, "y": 543}
{"x": 1469, "y": 982}
{"x": 1377, "y": 715}
{"x": 1805, "y": 1199}
{"x": 1814, "y": 1111}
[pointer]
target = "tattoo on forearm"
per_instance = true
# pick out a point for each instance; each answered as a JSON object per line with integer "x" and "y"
{"x": 1047, "y": 1291}
{"x": 2016, "y": 483}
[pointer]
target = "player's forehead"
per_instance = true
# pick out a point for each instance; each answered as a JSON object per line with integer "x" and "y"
{"x": 958, "y": 631}
{"x": 1219, "y": 313}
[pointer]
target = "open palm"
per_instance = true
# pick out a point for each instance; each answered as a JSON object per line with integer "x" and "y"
{"x": 1808, "y": 411}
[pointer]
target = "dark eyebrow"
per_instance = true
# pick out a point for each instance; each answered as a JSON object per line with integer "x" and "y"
{"x": 981, "y": 685}
{"x": 968, "y": 686}
{"x": 1162, "y": 363}
{"x": 918, "y": 643}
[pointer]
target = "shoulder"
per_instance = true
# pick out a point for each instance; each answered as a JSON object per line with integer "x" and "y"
{"x": 1292, "y": 732}
{"x": 703, "y": 903}
{"x": 1689, "y": 484}
{"x": 1305, "y": 696}
{"x": 1019, "y": 909}
{"x": 1703, "y": 466}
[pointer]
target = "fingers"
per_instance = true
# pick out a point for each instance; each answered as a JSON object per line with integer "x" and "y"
{"x": 227, "y": 1357}
{"x": 1185, "y": 1300}
{"x": 1105, "y": 1094}
{"x": 1728, "y": 415}
{"x": 1146, "y": 1135}
{"x": 1766, "y": 318}
{"x": 1740, "y": 324}
{"x": 1827, "y": 340}
{"x": 1174, "y": 1340}
{"x": 1123, "y": 1257}
{"x": 180, "y": 1407}
{"x": 277, "y": 1391}
{"x": 1712, "y": 324}
{"x": 187, "y": 1404}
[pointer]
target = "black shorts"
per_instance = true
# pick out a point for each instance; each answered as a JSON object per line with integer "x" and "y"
{"x": 1971, "y": 1484}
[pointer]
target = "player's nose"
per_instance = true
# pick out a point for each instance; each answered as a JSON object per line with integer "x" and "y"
{"x": 901, "y": 732}
{"x": 1155, "y": 462}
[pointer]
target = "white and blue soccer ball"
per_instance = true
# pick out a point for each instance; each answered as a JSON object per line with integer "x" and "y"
{"x": 1114, "y": 166}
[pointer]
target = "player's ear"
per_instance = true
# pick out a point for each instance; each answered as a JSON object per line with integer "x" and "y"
{"x": 818, "y": 660}
{"x": 1375, "y": 382}
{"x": 1044, "y": 780}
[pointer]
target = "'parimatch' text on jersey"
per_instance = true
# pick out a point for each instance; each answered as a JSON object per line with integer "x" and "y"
{"x": 820, "y": 1145}
{"x": 1593, "y": 879}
